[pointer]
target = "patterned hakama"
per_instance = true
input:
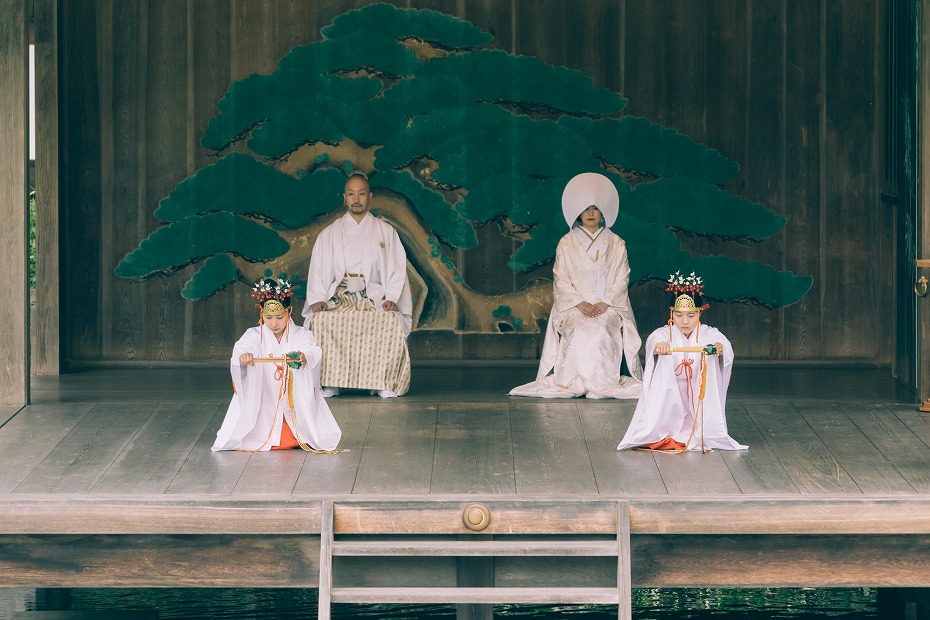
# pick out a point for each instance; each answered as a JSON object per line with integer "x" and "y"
{"x": 362, "y": 348}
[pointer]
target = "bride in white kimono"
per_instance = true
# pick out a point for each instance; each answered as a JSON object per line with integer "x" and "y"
{"x": 678, "y": 384}
{"x": 277, "y": 405}
{"x": 591, "y": 329}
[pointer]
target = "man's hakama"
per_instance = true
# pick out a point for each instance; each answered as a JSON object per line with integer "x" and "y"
{"x": 362, "y": 349}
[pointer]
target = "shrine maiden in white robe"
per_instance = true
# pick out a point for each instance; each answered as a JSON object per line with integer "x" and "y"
{"x": 260, "y": 402}
{"x": 667, "y": 406}
{"x": 583, "y": 355}
{"x": 370, "y": 248}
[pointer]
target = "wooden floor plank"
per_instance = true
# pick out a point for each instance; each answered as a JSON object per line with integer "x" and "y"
{"x": 617, "y": 471}
{"x": 29, "y": 437}
{"x": 869, "y": 468}
{"x": 549, "y": 451}
{"x": 7, "y": 413}
{"x": 271, "y": 472}
{"x": 434, "y": 381}
{"x": 155, "y": 454}
{"x": 210, "y": 473}
{"x": 82, "y": 457}
{"x": 336, "y": 473}
{"x": 696, "y": 473}
{"x": 473, "y": 449}
{"x": 398, "y": 454}
{"x": 896, "y": 442}
{"x": 917, "y": 421}
{"x": 756, "y": 470}
{"x": 902, "y": 433}
{"x": 804, "y": 456}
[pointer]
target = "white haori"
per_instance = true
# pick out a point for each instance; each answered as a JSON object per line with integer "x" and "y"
{"x": 261, "y": 400}
{"x": 370, "y": 249}
{"x": 667, "y": 406}
{"x": 583, "y": 355}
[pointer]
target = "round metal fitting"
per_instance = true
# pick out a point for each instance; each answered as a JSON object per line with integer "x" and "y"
{"x": 476, "y": 517}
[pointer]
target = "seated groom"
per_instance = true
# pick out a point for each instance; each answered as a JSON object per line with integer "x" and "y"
{"x": 358, "y": 300}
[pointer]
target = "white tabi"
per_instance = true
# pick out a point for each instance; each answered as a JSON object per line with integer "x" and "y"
{"x": 667, "y": 405}
{"x": 370, "y": 257}
{"x": 260, "y": 403}
{"x": 582, "y": 355}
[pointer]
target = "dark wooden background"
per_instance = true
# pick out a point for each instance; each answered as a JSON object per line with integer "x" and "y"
{"x": 792, "y": 90}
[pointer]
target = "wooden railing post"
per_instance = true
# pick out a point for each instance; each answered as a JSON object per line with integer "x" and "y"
{"x": 324, "y": 604}
{"x": 624, "y": 580}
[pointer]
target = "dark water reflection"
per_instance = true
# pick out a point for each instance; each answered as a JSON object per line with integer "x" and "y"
{"x": 665, "y": 604}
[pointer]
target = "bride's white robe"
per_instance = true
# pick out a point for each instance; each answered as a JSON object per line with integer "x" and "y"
{"x": 252, "y": 422}
{"x": 666, "y": 409}
{"x": 582, "y": 355}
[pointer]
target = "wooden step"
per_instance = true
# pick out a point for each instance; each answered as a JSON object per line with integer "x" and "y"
{"x": 476, "y": 548}
{"x": 576, "y": 596}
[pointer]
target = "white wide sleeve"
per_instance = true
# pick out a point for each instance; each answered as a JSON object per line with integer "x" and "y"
{"x": 565, "y": 295}
{"x": 320, "y": 273}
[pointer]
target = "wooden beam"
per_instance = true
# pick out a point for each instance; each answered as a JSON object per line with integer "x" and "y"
{"x": 923, "y": 219}
{"x": 46, "y": 318}
{"x": 14, "y": 286}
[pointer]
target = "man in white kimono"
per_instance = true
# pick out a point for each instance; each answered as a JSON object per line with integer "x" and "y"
{"x": 358, "y": 300}
{"x": 688, "y": 367}
{"x": 276, "y": 405}
{"x": 591, "y": 329}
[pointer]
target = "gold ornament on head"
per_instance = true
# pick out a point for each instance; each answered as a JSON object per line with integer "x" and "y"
{"x": 273, "y": 306}
{"x": 685, "y": 303}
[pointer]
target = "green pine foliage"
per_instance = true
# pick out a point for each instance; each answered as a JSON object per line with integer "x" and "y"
{"x": 503, "y": 135}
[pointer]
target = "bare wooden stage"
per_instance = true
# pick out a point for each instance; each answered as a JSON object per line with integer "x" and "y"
{"x": 108, "y": 480}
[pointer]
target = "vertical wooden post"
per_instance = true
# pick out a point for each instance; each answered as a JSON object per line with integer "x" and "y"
{"x": 474, "y": 572}
{"x": 923, "y": 158}
{"x": 324, "y": 600}
{"x": 46, "y": 349}
{"x": 14, "y": 195}
{"x": 624, "y": 571}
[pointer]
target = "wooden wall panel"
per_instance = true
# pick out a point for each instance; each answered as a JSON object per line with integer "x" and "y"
{"x": 803, "y": 338}
{"x": 481, "y": 267}
{"x": 83, "y": 267}
{"x": 14, "y": 132}
{"x": 850, "y": 198}
{"x": 765, "y": 168}
{"x": 785, "y": 87}
{"x": 166, "y": 323}
{"x": 124, "y": 207}
{"x": 884, "y": 216}
{"x": 208, "y": 76}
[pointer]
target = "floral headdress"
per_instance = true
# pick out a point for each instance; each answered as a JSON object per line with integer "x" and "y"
{"x": 272, "y": 296}
{"x": 686, "y": 292}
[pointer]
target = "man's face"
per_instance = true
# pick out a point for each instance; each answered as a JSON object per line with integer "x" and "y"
{"x": 686, "y": 321}
{"x": 356, "y": 195}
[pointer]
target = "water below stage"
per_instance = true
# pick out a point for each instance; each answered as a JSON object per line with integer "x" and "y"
{"x": 648, "y": 604}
